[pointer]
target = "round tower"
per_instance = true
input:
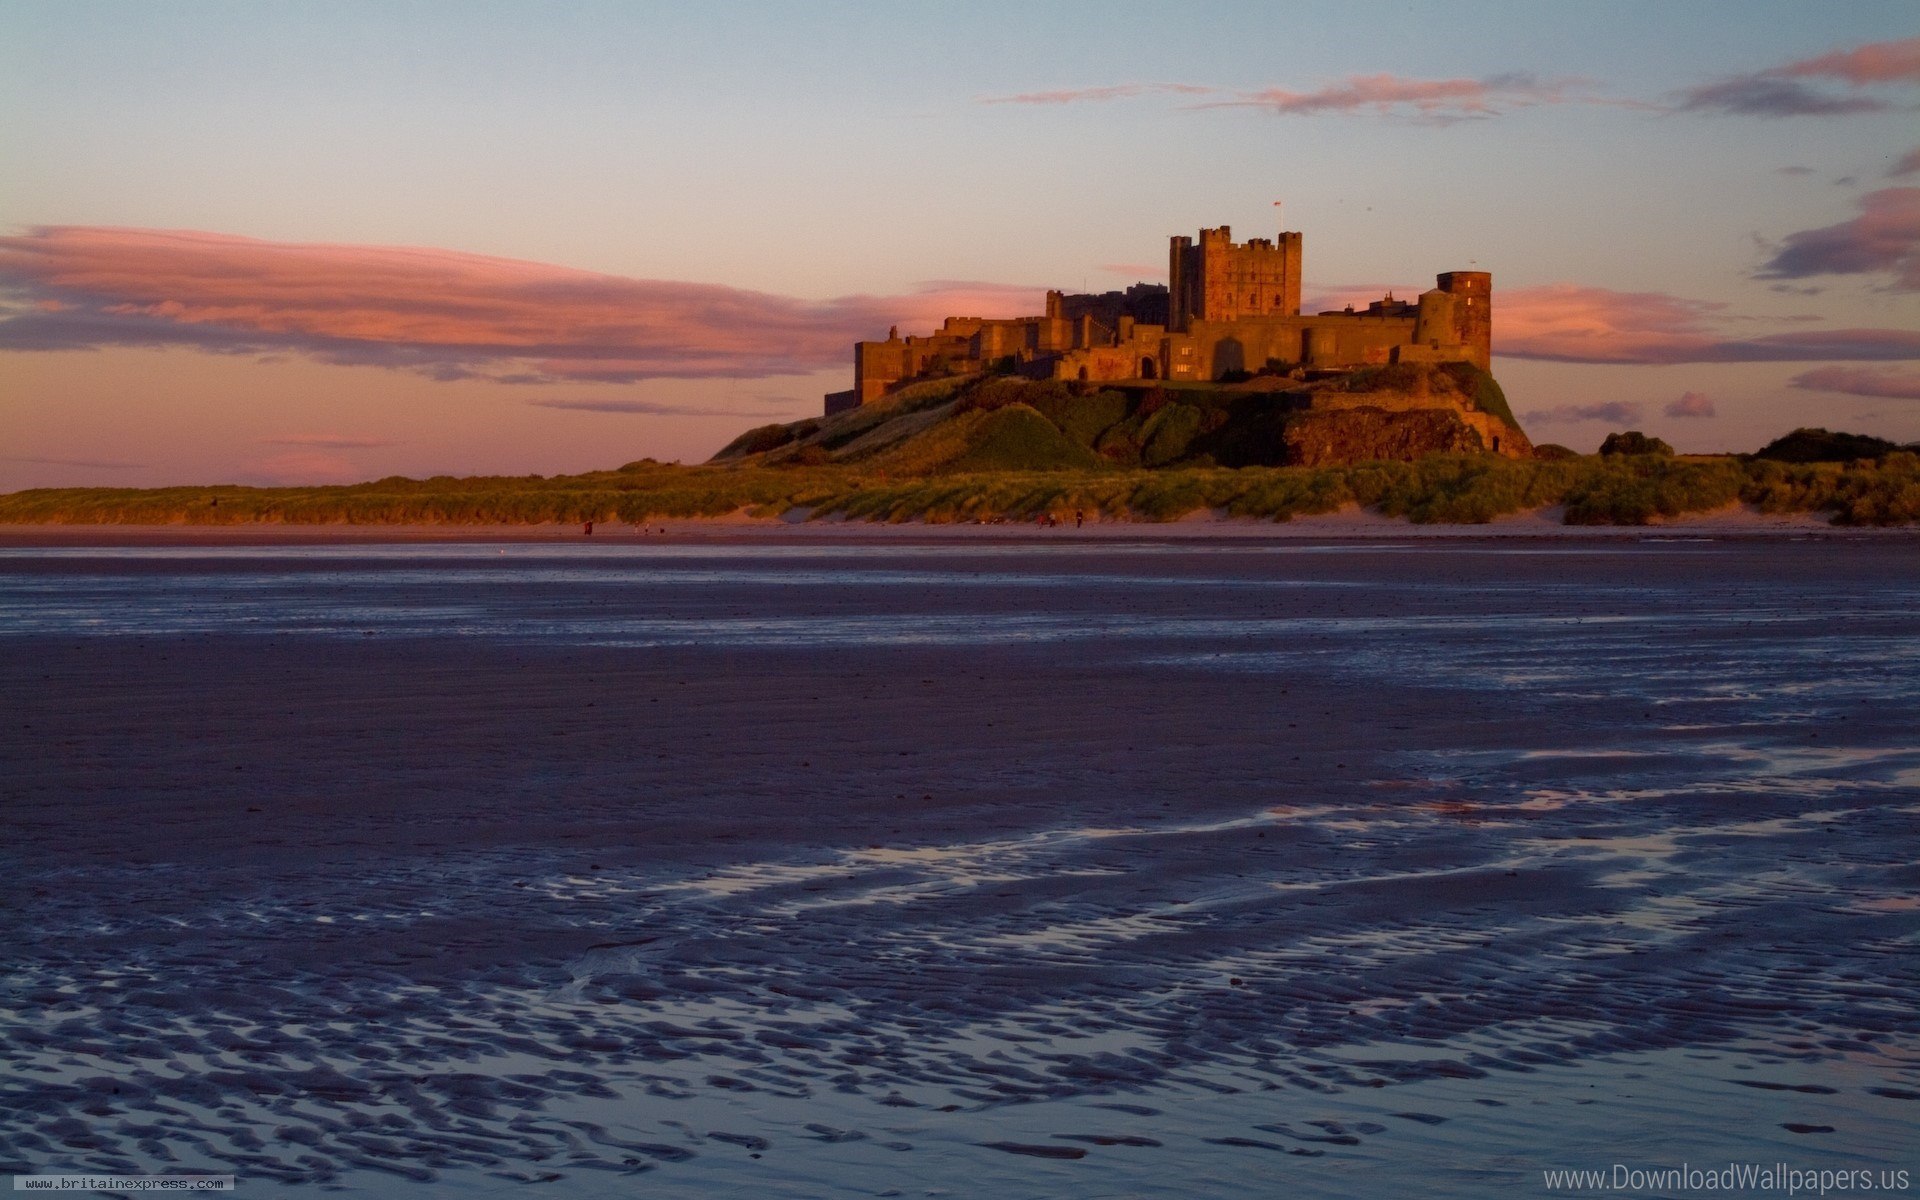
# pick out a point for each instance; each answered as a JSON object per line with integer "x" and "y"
{"x": 1435, "y": 324}
{"x": 1472, "y": 293}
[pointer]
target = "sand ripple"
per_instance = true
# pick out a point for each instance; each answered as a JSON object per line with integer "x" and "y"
{"x": 1646, "y": 916}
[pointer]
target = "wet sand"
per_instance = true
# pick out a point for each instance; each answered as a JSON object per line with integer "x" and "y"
{"x": 895, "y": 868}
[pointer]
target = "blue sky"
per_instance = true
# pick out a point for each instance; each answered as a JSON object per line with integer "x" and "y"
{"x": 676, "y": 179}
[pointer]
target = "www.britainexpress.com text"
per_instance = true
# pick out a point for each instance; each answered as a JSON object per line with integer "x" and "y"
{"x": 1776, "y": 1178}
{"x": 122, "y": 1183}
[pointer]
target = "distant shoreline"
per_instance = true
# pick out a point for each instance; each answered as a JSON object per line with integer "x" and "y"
{"x": 1350, "y": 524}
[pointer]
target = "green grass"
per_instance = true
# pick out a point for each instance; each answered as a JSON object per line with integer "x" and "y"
{"x": 1017, "y": 438}
{"x": 1010, "y": 484}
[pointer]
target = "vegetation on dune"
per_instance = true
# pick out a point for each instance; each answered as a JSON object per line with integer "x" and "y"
{"x": 1857, "y": 493}
{"x": 762, "y": 438}
{"x": 1633, "y": 442}
{"x": 1820, "y": 445}
{"x": 1644, "y": 489}
{"x": 1624, "y": 490}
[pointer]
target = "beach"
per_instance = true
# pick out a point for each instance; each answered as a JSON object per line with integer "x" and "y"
{"x": 788, "y": 860}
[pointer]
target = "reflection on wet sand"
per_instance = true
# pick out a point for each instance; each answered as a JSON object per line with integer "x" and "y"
{"x": 997, "y": 873}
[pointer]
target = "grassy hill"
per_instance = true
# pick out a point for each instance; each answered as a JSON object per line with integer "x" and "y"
{"x": 991, "y": 423}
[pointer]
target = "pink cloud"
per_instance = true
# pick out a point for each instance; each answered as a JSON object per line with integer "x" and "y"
{"x": 650, "y": 408}
{"x": 1779, "y": 92}
{"x": 1440, "y": 100}
{"x": 304, "y": 466}
{"x": 1392, "y": 95}
{"x": 446, "y": 314}
{"x": 1884, "y": 237}
{"x": 1569, "y": 323}
{"x": 1861, "y": 381}
{"x": 451, "y": 315}
{"x": 1118, "y": 91}
{"x": 1691, "y": 404}
{"x": 1876, "y": 62}
{"x": 1909, "y": 164}
{"x": 939, "y": 299}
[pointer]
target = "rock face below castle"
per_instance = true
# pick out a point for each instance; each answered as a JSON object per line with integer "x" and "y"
{"x": 1336, "y": 427}
{"x": 1346, "y": 436}
{"x": 1230, "y": 309}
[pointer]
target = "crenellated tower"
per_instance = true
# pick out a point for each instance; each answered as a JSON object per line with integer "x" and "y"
{"x": 1217, "y": 280}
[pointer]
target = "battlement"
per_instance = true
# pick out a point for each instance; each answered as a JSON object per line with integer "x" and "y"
{"x": 1219, "y": 280}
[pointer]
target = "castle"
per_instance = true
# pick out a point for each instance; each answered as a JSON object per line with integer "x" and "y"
{"x": 1228, "y": 308}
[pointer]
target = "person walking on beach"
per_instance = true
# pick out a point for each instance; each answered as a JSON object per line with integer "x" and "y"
{"x": 589, "y": 529}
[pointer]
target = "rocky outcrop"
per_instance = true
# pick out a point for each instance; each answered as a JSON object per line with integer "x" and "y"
{"x": 1351, "y": 435}
{"x": 1402, "y": 412}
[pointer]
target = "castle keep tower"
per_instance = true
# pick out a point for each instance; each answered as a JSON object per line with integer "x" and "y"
{"x": 1217, "y": 280}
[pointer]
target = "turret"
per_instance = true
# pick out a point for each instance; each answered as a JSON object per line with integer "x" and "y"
{"x": 1472, "y": 293}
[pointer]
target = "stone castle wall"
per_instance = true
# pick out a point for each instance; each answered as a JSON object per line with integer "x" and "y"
{"x": 1227, "y": 308}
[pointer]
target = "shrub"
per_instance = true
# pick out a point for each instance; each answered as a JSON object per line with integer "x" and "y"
{"x": 1819, "y": 445}
{"x": 1633, "y": 442}
{"x": 1168, "y": 433}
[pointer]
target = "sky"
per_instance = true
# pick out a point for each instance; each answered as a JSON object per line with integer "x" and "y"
{"x": 326, "y": 242}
